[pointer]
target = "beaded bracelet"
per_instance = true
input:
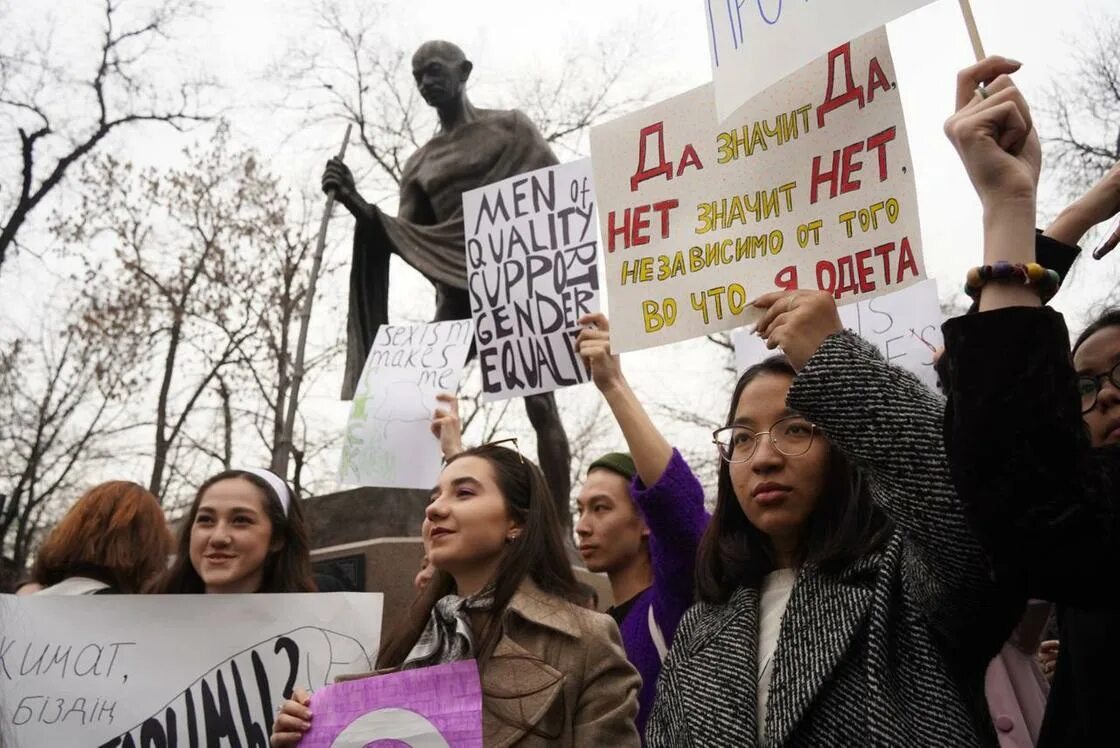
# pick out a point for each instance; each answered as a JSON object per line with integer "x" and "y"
{"x": 1045, "y": 281}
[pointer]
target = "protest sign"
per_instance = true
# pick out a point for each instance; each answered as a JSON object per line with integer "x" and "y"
{"x": 532, "y": 272}
{"x": 425, "y": 708}
{"x": 124, "y": 671}
{"x": 698, "y": 220}
{"x": 905, "y": 326}
{"x": 388, "y": 441}
{"x": 755, "y": 44}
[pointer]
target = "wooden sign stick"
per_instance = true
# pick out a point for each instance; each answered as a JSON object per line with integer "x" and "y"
{"x": 973, "y": 32}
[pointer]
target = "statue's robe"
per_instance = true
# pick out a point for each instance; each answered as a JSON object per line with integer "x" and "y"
{"x": 428, "y": 230}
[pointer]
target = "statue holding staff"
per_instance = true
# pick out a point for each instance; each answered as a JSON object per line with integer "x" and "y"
{"x": 472, "y": 148}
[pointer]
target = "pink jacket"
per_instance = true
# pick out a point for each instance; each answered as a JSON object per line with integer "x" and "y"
{"x": 1014, "y": 684}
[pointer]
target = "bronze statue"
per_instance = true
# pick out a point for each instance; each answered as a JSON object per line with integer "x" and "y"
{"x": 473, "y": 147}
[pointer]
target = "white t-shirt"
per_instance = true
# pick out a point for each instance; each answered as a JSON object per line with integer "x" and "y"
{"x": 773, "y": 598}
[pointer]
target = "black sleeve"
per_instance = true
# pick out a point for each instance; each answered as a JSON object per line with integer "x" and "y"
{"x": 1039, "y": 497}
{"x": 1053, "y": 254}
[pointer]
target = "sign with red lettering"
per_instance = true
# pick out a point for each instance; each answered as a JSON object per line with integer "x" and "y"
{"x": 812, "y": 187}
{"x": 756, "y": 43}
{"x": 532, "y": 272}
{"x": 171, "y": 670}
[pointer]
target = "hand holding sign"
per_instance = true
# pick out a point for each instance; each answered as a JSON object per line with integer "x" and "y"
{"x": 293, "y": 720}
{"x": 594, "y": 344}
{"x": 434, "y": 707}
{"x": 798, "y": 322}
{"x": 446, "y": 425}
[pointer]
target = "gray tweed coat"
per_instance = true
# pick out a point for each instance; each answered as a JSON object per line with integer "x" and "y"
{"x": 890, "y": 652}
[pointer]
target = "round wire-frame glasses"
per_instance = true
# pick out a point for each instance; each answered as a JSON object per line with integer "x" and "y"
{"x": 792, "y": 436}
{"x": 1090, "y": 387}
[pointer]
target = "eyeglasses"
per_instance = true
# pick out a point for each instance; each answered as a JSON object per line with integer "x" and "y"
{"x": 498, "y": 443}
{"x": 1090, "y": 387}
{"x": 792, "y": 436}
{"x": 509, "y": 440}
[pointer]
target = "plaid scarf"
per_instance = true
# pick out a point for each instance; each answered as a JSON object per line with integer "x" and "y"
{"x": 448, "y": 637}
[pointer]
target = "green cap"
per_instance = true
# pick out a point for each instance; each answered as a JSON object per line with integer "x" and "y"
{"x": 617, "y": 462}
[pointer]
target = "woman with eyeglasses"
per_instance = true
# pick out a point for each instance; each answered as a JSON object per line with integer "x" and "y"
{"x": 1032, "y": 440}
{"x": 836, "y": 606}
{"x": 553, "y": 673}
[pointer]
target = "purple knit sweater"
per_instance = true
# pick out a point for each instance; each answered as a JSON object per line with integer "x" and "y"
{"x": 673, "y": 509}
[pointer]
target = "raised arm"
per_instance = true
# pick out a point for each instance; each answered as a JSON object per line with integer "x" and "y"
{"x": 888, "y": 424}
{"x": 1042, "y": 500}
{"x": 446, "y": 425}
{"x": 665, "y": 490}
{"x": 650, "y": 450}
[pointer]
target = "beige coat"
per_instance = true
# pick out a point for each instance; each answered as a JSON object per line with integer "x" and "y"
{"x": 558, "y": 677}
{"x": 561, "y": 670}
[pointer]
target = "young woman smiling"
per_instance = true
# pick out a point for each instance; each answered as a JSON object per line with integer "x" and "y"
{"x": 553, "y": 673}
{"x": 244, "y": 533}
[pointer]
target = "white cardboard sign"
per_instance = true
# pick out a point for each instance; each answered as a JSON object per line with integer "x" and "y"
{"x": 698, "y": 219}
{"x": 388, "y": 441}
{"x": 905, "y": 326}
{"x": 532, "y": 272}
{"x": 125, "y": 671}
{"x": 756, "y": 43}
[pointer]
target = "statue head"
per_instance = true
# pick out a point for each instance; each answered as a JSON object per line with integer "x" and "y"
{"x": 441, "y": 70}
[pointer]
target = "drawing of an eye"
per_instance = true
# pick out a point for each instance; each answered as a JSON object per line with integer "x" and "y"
{"x": 402, "y": 725}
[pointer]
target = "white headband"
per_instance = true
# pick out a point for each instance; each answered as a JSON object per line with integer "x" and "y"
{"x": 279, "y": 487}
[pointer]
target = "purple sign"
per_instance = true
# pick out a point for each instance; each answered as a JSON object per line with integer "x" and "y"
{"x": 434, "y": 707}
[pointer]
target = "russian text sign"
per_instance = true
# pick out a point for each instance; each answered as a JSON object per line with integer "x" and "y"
{"x": 388, "y": 441}
{"x": 171, "y": 670}
{"x": 532, "y": 272}
{"x": 756, "y": 43}
{"x": 905, "y": 326}
{"x": 433, "y": 707}
{"x": 813, "y": 188}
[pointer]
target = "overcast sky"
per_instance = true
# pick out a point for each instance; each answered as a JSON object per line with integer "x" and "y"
{"x": 508, "y": 39}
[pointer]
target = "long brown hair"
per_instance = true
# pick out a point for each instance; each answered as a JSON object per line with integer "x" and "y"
{"x": 285, "y": 570}
{"x": 538, "y": 553}
{"x": 115, "y": 533}
{"x": 844, "y": 526}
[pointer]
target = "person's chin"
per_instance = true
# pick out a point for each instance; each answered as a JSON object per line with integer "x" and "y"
{"x": 595, "y": 566}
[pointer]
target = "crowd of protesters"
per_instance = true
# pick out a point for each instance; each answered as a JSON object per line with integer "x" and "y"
{"x": 881, "y": 566}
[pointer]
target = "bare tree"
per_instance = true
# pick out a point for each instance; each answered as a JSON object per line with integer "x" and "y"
{"x": 181, "y": 278}
{"x": 350, "y": 71}
{"x": 61, "y": 404}
{"x": 60, "y": 116}
{"x": 285, "y": 246}
{"x": 206, "y": 276}
{"x": 1085, "y": 111}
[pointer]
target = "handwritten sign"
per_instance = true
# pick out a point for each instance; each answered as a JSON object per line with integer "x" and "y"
{"x": 905, "y": 326}
{"x": 532, "y": 272}
{"x": 756, "y": 43}
{"x": 425, "y": 708}
{"x": 698, "y": 219}
{"x": 171, "y": 670}
{"x": 388, "y": 441}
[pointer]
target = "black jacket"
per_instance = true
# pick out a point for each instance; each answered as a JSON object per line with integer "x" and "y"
{"x": 1042, "y": 501}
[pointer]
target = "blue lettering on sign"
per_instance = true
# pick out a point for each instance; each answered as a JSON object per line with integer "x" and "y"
{"x": 770, "y": 15}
